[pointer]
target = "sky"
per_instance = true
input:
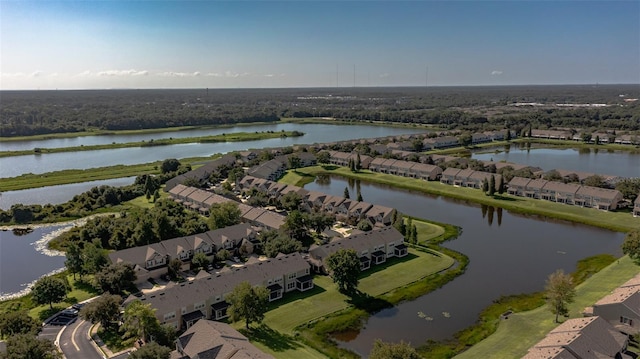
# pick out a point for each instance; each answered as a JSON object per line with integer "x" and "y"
{"x": 78, "y": 44}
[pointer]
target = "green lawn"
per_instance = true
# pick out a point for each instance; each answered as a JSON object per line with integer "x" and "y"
{"x": 296, "y": 178}
{"x": 326, "y": 299}
{"x": 618, "y": 221}
{"x": 427, "y": 231}
{"x": 522, "y": 330}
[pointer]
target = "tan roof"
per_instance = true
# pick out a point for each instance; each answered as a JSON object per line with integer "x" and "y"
{"x": 590, "y": 337}
{"x": 609, "y": 194}
{"x": 565, "y": 188}
{"x": 519, "y": 181}
{"x": 211, "y": 340}
{"x": 622, "y": 295}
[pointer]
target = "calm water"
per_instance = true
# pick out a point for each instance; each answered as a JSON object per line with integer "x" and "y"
{"x": 619, "y": 163}
{"x": 314, "y": 133}
{"x": 24, "y": 259}
{"x": 56, "y": 194}
{"x": 508, "y": 254}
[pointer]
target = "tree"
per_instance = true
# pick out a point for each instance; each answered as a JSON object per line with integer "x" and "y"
{"x": 199, "y": 261}
{"x": 346, "y": 193}
{"x": 357, "y": 163}
{"x": 595, "y": 181}
{"x": 170, "y": 165}
{"x": 631, "y": 246}
{"x": 18, "y": 322}
{"x": 492, "y": 185}
{"x": 465, "y": 139}
{"x": 323, "y": 157}
{"x": 560, "y": 291}
{"x": 223, "y": 215}
{"x": 294, "y": 225}
{"x": 74, "y": 259}
{"x": 222, "y": 255}
{"x": 139, "y": 321}
{"x": 114, "y": 278}
{"x": 359, "y": 198}
{"x": 93, "y": 259}
{"x": 319, "y": 220}
{"x": 173, "y": 269}
{"x": 365, "y": 225}
{"x": 485, "y": 185}
{"x": 280, "y": 243}
{"x": 104, "y": 310}
{"x": 290, "y": 201}
{"x": 629, "y": 187}
{"x": 402, "y": 350}
{"x": 344, "y": 266}
{"x": 294, "y": 162}
{"x": 501, "y": 185}
{"x": 248, "y": 303}
{"x": 151, "y": 350}
{"x": 586, "y": 137}
{"x": 27, "y": 346}
{"x": 48, "y": 290}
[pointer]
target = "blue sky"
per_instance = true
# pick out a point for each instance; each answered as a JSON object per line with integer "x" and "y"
{"x": 219, "y": 44}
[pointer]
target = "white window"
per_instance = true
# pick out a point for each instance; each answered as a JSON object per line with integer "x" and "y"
{"x": 184, "y": 310}
{"x": 198, "y": 306}
{"x": 291, "y": 285}
{"x": 169, "y": 315}
{"x": 627, "y": 321}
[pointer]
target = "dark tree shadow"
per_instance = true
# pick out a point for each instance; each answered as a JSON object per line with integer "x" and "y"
{"x": 270, "y": 338}
{"x": 367, "y": 303}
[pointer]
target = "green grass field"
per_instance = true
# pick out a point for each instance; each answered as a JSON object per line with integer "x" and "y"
{"x": 618, "y": 221}
{"x": 325, "y": 298}
{"x": 522, "y": 330}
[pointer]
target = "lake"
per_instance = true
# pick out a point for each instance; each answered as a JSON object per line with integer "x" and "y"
{"x": 619, "y": 163}
{"x": 24, "y": 259}
{"x": 508, "y": 254}
{"x": 56, "y": 194}
{"x": 314, "y": 133}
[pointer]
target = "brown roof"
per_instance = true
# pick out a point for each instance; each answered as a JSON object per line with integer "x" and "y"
{"x": 519, "y": 181}
{"x": 609, "y": 194}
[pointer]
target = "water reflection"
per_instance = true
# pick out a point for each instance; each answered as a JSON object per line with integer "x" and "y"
{"x": 508, "y": 253}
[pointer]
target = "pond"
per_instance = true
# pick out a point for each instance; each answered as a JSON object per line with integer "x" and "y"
{"x": 619, "y": 163}
{"x": 509, "y": 254}
{"x": 314, "y": 133}
{"x": 56, "y": 194}
{"x": 25, "y": 258}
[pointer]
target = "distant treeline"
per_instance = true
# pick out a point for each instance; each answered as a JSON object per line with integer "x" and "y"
{"x": 464, "y": 108}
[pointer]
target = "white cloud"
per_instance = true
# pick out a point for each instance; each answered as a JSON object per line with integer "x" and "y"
{"x": 178, "y": 74}
{"x": 496, "y": 73}
{"x": 36, "y": 74}
{"x": 110, "y": 73}
{"x": 269, "y": 75}
{"x": 385, "y": 75}
{"x": 85, "y": 74}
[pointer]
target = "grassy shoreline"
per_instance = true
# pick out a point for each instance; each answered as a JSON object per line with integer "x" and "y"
{"x": 616, "y": 221}
{"x": 225, "y": 137}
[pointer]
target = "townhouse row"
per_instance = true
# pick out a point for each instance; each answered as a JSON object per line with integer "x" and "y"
{"x": 151, "y": 261}
{"x": 275, "y": 168}
{"x": 567, "y": 193}
{"x": 406, "y": 169}
{"x": 348, "y": 209}
{"x": 603, "y": 332}
{"x": 468, "y": 178}
{"x": 373, "y": 247}
{"x": 603, "y": 137}
{"x": 182, "y": 304}
{"x": 201, "y": 201}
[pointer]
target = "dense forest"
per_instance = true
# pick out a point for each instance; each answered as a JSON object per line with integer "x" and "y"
{"x": 463, "y": 108}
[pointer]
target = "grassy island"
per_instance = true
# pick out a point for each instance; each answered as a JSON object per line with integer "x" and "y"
{"x": 225, "y": 137}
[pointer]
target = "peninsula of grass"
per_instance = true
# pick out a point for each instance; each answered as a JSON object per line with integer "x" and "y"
{"x": 225, "y": 137}
{"x": 613, "y": 220}
{"x": 516, "y": 335}
{"x": 489, "y": 318}
{"x": 30, "y": 180}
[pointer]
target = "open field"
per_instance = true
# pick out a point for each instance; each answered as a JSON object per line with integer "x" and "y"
{"x": 617, "y": 221}
{"x": 325, "y": 298}
{"x": 522, "y": 330}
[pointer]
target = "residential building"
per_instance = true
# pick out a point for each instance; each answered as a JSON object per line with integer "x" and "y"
{"x": 581, "y": 338}
{"x": 207, "y": 339}
{"x": 202, "y": 173}
{"x": 621, "y": 308}
{"x": 600, "y": 198}
{"x": 478, "y": 138}
{"x": 182, "y": 304}
{"x": 151, "y": 261}
{"x": 551, "y": 134}
{"x": 559, "y": 192}
{"x": 636, "y": 206}
{"x": 373, "y": 247}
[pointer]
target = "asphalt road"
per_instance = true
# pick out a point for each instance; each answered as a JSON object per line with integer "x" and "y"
{"x": 75, "y": 342}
